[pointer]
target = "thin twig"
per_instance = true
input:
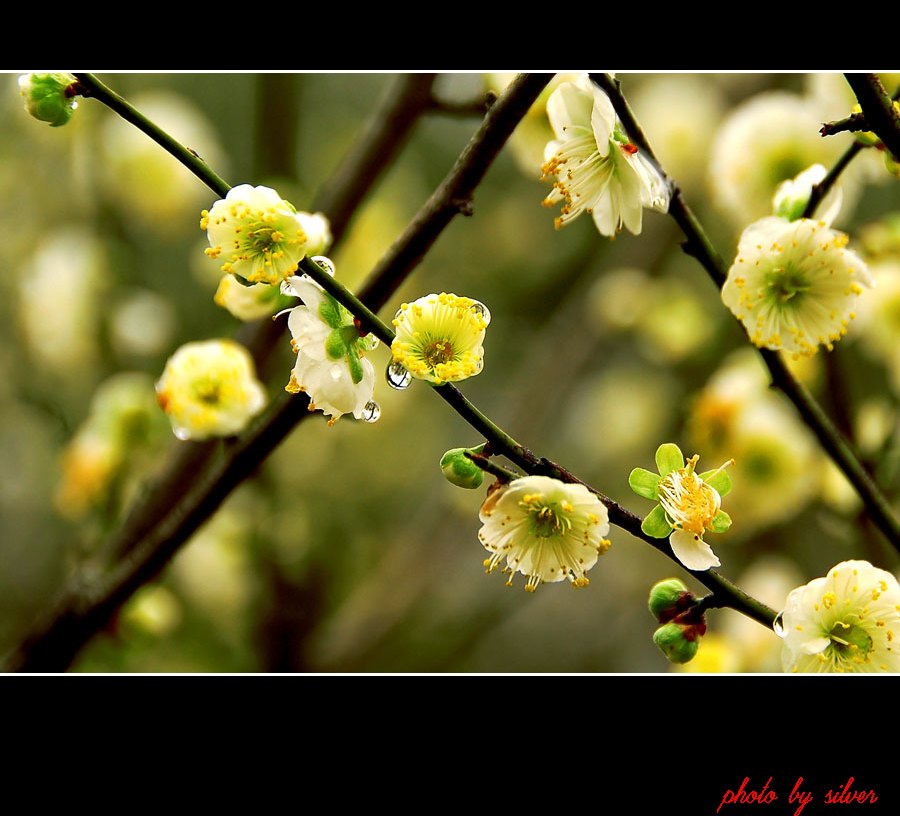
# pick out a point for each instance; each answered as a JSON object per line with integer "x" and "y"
{"x": 852, "y": 123}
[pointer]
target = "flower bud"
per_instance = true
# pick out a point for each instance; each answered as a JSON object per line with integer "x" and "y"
{"x": 458, "y": 469}
{"x": 669, "y": 598}
{"x": 678, "y": 643}
{"x": 47, "y": 97}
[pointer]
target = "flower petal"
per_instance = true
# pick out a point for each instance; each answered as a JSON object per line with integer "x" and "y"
{"x": 693, "y": 551}
{"x": 569, "y": 106}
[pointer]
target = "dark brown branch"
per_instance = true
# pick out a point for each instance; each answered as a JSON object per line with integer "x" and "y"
{"x": 854, "y": 122}
{"x": 820, "y": 190}
{"x": 473, "y": 107}
{"x": 57, "y": 639}
{"x": 878, "y": 108}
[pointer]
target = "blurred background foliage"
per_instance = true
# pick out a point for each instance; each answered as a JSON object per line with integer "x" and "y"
{"x": 347, "y": 550}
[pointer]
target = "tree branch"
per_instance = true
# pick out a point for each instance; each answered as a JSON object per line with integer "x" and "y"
{"x": 878, "y": 109}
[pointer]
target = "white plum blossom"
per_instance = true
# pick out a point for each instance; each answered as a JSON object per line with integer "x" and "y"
{"x": 794, "y": 284}
{"x": 210, "y": 389}
{"x": 261, "y": 235}
{"x": 598, "y": 169}
{"x": 546, "y": 529}
{"x": 439, "y": 337}
{"x": 848, "y": 621}
{"x": 331, "y": 367}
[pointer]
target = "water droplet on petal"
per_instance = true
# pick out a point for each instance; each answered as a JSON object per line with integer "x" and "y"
{"x": 371, "y": 412}
{"x": 482, "y": 310}
{"x": 778, "y": 624}
{"x": 397, "y": 376}
{"x": 321, "y": 260}
{"x": 183, "y": 434}
{"x": 368, "y": 342}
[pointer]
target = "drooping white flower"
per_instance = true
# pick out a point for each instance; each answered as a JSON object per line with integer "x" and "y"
{"x": 210, "y": 389}
{"x": 848, "y": 621}
{"x": 690, "y": 504}
{"x": 546, "y": 529}
{"x": 331, "y": 367}
{"x": 261, "y": 235}
{"x": 794, "y": 284}
{"x": 249, "y": 302}
{"x": 439, "y": 337}
{"x": 598, "y": 169}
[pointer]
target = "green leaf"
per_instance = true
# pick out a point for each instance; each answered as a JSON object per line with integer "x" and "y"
{"x": 356, "y": 369}
{"x": 335, "y": 345}
{"x": 644, "y": 483}
{"x": 655, "y": 524}
{"x": 668, "y": 458}
{"x": 721, "y": 482}
{"x": 721, "y": 522}
{"x": 330, "y": 311}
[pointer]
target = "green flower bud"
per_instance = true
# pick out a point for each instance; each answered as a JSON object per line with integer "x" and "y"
{"x": 668, "y": 598}
{"x": 678, "y": 643}
{"x": 48, "y": 98}
{"x": 458, "y": 469}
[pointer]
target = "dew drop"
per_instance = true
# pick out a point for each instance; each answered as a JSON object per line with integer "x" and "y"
{"x": 326, "y": 262}
{"x": 397, "y": 376}
{"x": 183, "y": 434}
{"x": 778, "y": 624}
{"x": 368, "y": 342}
{"x": 481, "y": 310}
{"x": 371, "y": 412}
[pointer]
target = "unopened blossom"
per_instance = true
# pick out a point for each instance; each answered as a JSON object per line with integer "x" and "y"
{"x": 545, "y": 529}
{"x": 690, "y": 505}
{"x": 848, "y": 621}
{"x": 331, "y": 365}
{"x": 439, "y": 337}
{"x": 210, "y": 389}
{"x": 794, "y": 284}
{"x": 260, "y": 235}
{"x": 598, "y": 169}
{"x": 49, "y": 97}
{"x": 792, "y": 196}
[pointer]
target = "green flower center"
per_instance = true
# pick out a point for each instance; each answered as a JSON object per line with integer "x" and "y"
{"x": 437, "y": 352}
{"x": 261, "y": 238}
{"x": 850, "y": 641}
{"x": 546, "y": 520}
{"x": 785, "y": 284}
{"x": 208, "y": 390}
